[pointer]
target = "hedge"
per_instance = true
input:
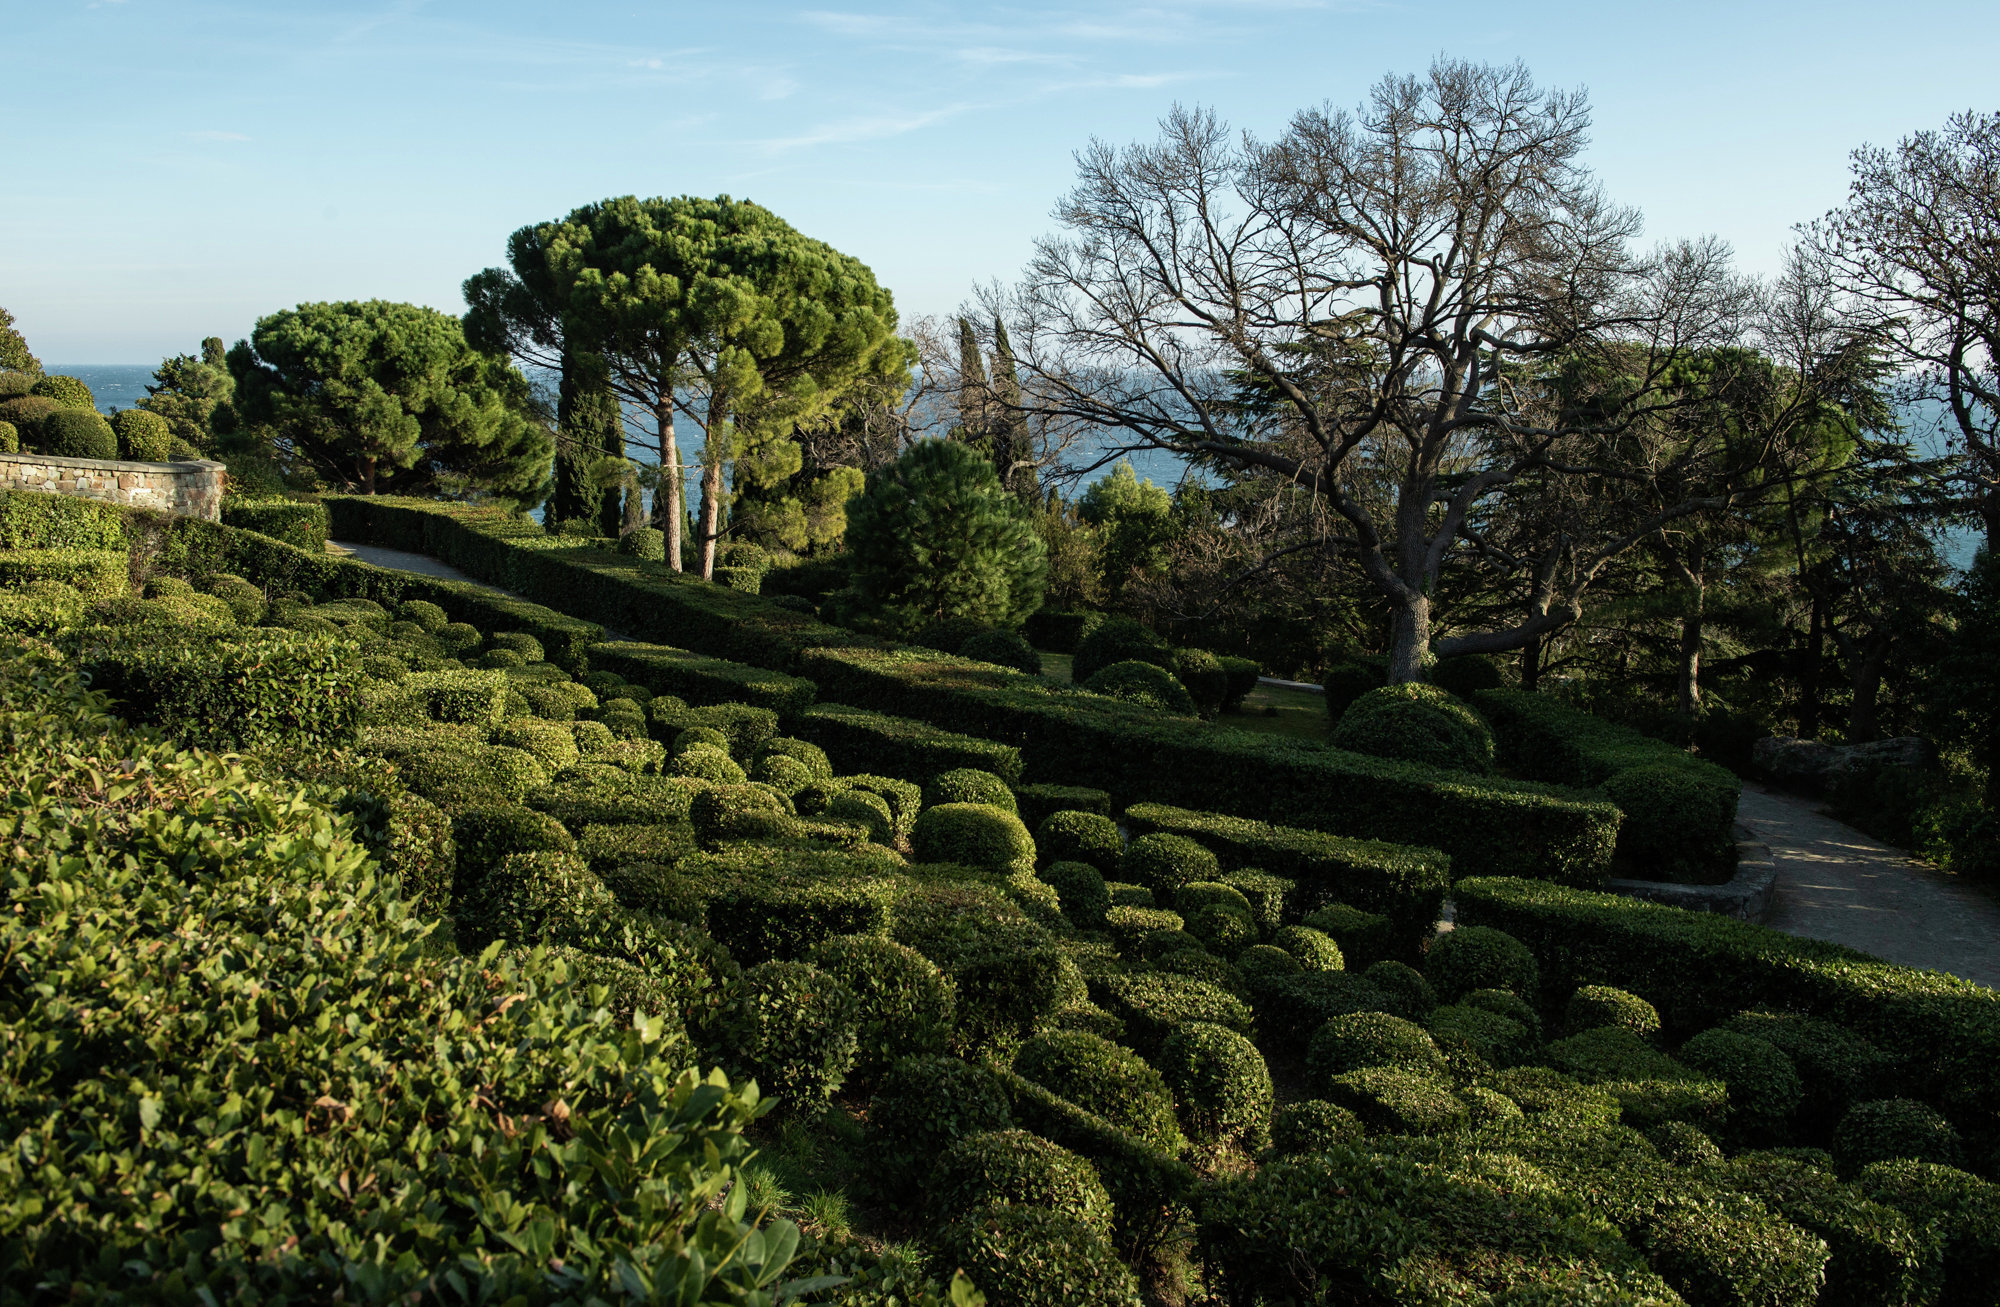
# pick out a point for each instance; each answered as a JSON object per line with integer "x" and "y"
{"x": 1545, "y": 739}
{"x": 645, "y": 599}
{"x": 1407, "y": 884}
{"x": 700, "y": 679}
{"x": 275, "y": 689}
{"x": 900, "y": 746}
{"x": 1700, "y": 969}
{"x": 98, "y": 573}
{"x": 1487, "y": 826}
{"x": 296, "y": 522}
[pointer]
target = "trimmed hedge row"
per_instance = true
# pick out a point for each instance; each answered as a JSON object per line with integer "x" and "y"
{"x": 700, "y": 679}
{"x": 1402, "y": 882}
{"x": 1700, "y": 969}
{"x": 1487, "y": 826}
{"x": 296, "y": 522}
{"x": 1690, "y": 802}
{"x": 899, "y": 746}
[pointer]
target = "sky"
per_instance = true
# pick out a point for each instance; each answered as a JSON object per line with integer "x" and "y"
{"x": 178, "y": 169}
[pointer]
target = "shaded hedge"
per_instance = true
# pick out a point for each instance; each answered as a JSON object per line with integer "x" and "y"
{"x": 901, "y": 746}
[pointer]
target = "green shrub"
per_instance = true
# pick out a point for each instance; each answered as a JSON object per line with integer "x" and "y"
{"x": 1602, "y": 1005}
{"x": 1130, "y": 923}
{"x": 1201, "y": 675}
{"x": 1269, "y": 896}
{"x": 1153, "y": 1004}
{"x": 1081, "y": 837}
{"x": 1764, "y": 1086}
{"x": 1876, "y": 1256}
{"x": 96, "y": 573}
{"x": 1261, "y": 962}
{"x": 1142, "y": 683}
{"x": 730, "y": 810}
{"x": 904, "y": 798}
{"x": 1365, "y": 937}
{"x": 1479, "y": 957}
{"x": 26, "y": 413}
{"x": 1416, "y": 723}
{"x": 296, "y": 522}
{"x": 1200, "y": 894}
{"x": 527, "y": 646}
{"x": 1459, "y": 1030}
{"x": 1679, "y": 819}
{"x": 784, "y": 773}
{"x": 10, "y": 438}
{"x": 1080, "y": 889}
{"x": 1040, "y": 802}
{"x": 76, "y": 433}
{"x": 143, "y": 436}
{"x": 904, "y": 1004}
{"x": 1024, "y": 1254}
{"x": 473, "y": 697}
{"x": 70, "y": 392}
{"x": 1221, "y": 929}
{"x": 1682, "y": 1144}
{"x": 790, "y": 1026}
{"x": 921, "y": 1108}
{"x": 763, "y": 903}
{"x": 1837, "y": 1066}
{"x": 487, "y": 834}
{"x": 1314, "y": 950}
{"x": 1366, "y": 1039}
{"x": 1103, "y": 1078}
{"x": 1346, "y": 680}
{"x": 1650, "y": 1086}
{"x": 970, "y": 785}
{"x": 1290, "y": 1008}
{"x": 1163, "y": 863}
{"x": 646, "y": 542}
{"x": 1005, "y": 993}
{"x": 259, "y": 689}
{"x": 424, "y": 613}
{"x": 1116, "y": 640}
{"x": 1894, "y": 1129}
{"x": 1004, "y": 648}
{"x": 1735, "y": 1256}
{"x": 808, "y": 755}
{"x": 1398, "y": 1100}
{"x": 695, "y": 736}
{"x": 1960, "y": 1210}
{"x": 458, "y": 637}
{"x": 1220, "y": 1083}
{"x": 1465, "y": 674}
{"x": 899, "y": 746}
{"x": 1414, "y": 998}
{"x": 705, "y": 762}
{"x": 973, "y": 834}
{"x": 1015, "y": 1168}
{"x": 868, "y": 810}
{"x": 1313, "y": 1125}
{"x": 553, "y": 744}
{"x": 536, "y": 898}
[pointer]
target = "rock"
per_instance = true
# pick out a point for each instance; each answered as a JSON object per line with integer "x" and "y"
{"x": 1815, "y": 767}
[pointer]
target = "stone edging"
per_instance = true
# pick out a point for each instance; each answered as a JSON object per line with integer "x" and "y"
{"x": 193, "y": 488}
{"x": 117, "y": 464}
{"x": 1747, "y": 896}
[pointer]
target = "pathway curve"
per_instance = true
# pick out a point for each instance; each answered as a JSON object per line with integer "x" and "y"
{"x": 1835, "y": 883}
{"x": 397, "y": 560}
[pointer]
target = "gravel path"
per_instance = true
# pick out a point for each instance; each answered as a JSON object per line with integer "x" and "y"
{"x": 1835, "y": 883}
{"x": 396, "y": 560}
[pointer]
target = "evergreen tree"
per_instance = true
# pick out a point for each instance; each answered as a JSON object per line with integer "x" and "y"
{"x": 14, "y": 353}
{"x": 935, "y": 535}
{"x": 1013, "y": 451}
{"x": 195, "y": 394}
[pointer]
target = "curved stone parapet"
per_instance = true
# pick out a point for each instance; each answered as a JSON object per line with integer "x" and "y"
{"x": 192, "y": 488}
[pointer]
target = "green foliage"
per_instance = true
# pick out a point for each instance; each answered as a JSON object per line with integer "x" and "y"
{"x": 1005, "y": 648}
{"x": 1764, "y": 1086}
{"x": 1398, "y": 1100}
{"x": 1683, "y": 1144}
{"x": 924, "y": 1105}
{"x": 1103, "y": 1078}
{"x": 488, "y": 834}
{"x": 936, "y": 535}
{"x": 535, "y": 898}
{"x": 143, "y": 437}
{"x": 296, "y": 522}
{"x": 14, "y": 354}
{"x": 1463, "y": 1032}
{"x": 1650, "y": 1086}
{"x": 1081, "y": 837}
{"x": 644, "y": 542}
{"x": 970, "y": 785}
{"x": 1015, "y": 1168}
{"x": 1365, "y": 937}
{"x": 1153, "y": 1004}
{"x": 1478, "y": 957}
{"x": 1312, "y": 1125}
{"x": 897, "y": 746}
{"x": 1465, "y": 674}
{"x": 1876, "y": 1256}
{"x": 70, "y": 392}
{"x": 10, "y": 438}
{"x": 974, "y": 834}
{"x": 1837, "y": 1065}
{"x": 195, "y": 395}
{"x": 95, "y": 573}
{"x": 1080, "y": 889}
{"x": 27, "y": 413}
{"x": 1117, "y": 640}
{"x": 1894, "y": 1129}
{"x": 76, "y": 433}
{"x": 1366, "y": 1039}
{"x": 257, "y": 689}
{"x": 1959, "y": 1210}
{"x": 1417, "y": 723}
{"x": 1314, "y": 950}
{"x": 706, "y": 762}
{"x": 553, "y": 744}
{"x": 1592, "y": 1006}
{"x": 1142, "y": 683}
{"x": 701, "y": 680}
{"x": 1027, "y": 1254}
{"x": 1348, "y": 679}
{"x": 1731, "y": 1256}
{"x": 1163, "y": 863}
{"x": 1220, "y": 1083}
{"x": 904, "y": 1003}
{"x": 1414, "y": 997}
{"x": 790, "y": 1026}
{"x": 1039, "y": 802}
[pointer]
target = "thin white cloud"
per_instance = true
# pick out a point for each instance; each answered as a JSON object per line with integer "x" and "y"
{"x": 852, "y": 130}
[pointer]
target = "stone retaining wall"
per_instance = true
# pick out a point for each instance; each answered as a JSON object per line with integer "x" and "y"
{"x": 192, "y": 489}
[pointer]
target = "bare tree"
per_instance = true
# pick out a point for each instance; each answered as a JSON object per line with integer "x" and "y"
{"x": 1916, "y": 248}
{"x": 1408, "y": 284}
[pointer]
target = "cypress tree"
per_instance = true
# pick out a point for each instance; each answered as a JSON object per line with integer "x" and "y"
{"x": 1012, "y": 452}
{"x": 588, "y": 431}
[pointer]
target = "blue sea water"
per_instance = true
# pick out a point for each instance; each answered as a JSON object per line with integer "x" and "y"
{"x": 112, "y": 385}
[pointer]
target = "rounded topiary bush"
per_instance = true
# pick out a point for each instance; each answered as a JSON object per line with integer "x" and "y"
{"x": 1399, "y": 1100}
{"x": 970, "y": 785}
{"x": 922, "y": 1106}
{"x": 1365, "y": 1039}
{"x": 708, "y": 735}
{"x": 10, "y": 438}
{"x": 553, "y": 744}
{"x": 1106, "y": 1078}
{"x": 1163, "y": 863}
{"x": 973, "y": 834}
{"x": 1735, "y": 1255}
{"x": 1221, "y": 929}
{"x": 782, "y": 773}
{"x": 806, "y": 753}
{"x": 1202, "y": 674}
{"x": 1117, "y": 640}
{"x": 1675, "y": 816}
{"x": 1415, "y": 999}
{"x": 1479, "y": 957}
{"x": 706, "y": 762}
{"x": 76, "y": 433}
{"x": 458, "y": 637}
{"x": 1683, "y": 1144}
{"x": 425, "y": 614}
{"x": 1315, "y": 950}
{"x": 14, "y": 383}
{"x": 1593, "y": 1006}
{"x": 1416, "y": 723}
{"x": 859, "y": 807}
{"x": 1142, "y": 683}
{"x": 1261, "y": 963}
{"x": 1200, "y": 894}
{"x": 904, "y": 1004}
{"x": 1021, "y": 1255}
{"x": 1311, "y": 1125}
{"x": 1506, "y": 1003}
{"x": 647, "y": 542}
{"x": 143, "y": 436}
{"x": 737, "y": 812}
{"x": 1348, "y": 678}
{"x": 1081, "y": 837}
{"x": 949, "y": 633}
{"x": 791, "y": 1026}
{"x": 1890, "y": 1129}
{"x": 70, "y": 392}
{"x": 1016, "y": 1168}
{"x": 1364, "y": 937}
{"x": 500, "y": 659}
{"x": 1764, "y": 1087}
{"x": 486, "y": 833}
{"x": 536, "y": 898}
{"x": 1081, "y": 891}
{"x": 522, "y": 643}
{"x": 1003, "y": 648}
{"x": 1221, "y": 1083}
{"x": 1461, "y": 1031}
{"x": 1464, "y": 674}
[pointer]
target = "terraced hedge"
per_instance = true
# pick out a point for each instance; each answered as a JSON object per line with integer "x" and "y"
{"x": 700, "y": 679}
{"x": 901, "y": 746}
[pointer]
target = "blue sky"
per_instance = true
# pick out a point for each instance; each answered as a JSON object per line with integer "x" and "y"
{"x": 178, "y": 168}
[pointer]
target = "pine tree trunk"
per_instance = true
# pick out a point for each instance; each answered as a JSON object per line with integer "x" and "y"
{"x": 1531, "y": 663}
{"x": 1410, "y": 640}
{"x": 1690, "y": 669}
{"x": 669, "y": 497}
{"x": 709, "y": 529}
{"x": 367, "y": 476}
{"x": 1809, "y": 678}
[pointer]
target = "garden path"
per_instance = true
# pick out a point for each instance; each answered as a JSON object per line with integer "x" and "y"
{"x": 1834, "y": 883}
{"x": 397, "y": 560}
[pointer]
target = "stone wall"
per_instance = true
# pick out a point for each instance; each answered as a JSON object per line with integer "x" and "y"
{"x": 193, "y": 488}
